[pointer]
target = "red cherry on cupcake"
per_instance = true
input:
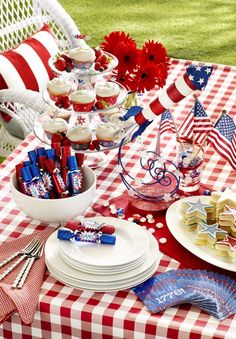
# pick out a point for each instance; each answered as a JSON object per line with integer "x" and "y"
{"x": 60, "y": 64}
{"x": 66, "y": 104}
{"x": 98, "y": 52}
{"x": 69, "y": 67}
{"x": 91, "y": 147}
{"x": 102, "y": 59}
{"x": 96, "y": 144}
{"x": 66, "y": 58}
{"x": 105, "y": 67}
{"x": 64, "y": 98}
{"x": 97, "y": 66}
{"x": 63, "y": 102}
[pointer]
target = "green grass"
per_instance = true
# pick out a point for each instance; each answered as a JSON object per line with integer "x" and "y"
{"x": 195, "y": 30}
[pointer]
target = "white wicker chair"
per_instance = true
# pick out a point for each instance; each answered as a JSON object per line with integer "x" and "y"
{"x": 19, "y": 19}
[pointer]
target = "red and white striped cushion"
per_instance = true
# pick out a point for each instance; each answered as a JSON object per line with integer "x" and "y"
{"x": 26, "y": 66}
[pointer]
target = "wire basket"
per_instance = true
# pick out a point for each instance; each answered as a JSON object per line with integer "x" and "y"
{"x": 155, "y": 183}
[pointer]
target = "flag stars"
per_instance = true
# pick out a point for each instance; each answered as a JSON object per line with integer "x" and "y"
{"x": 201, "y": 81}
{"x": 198, "y": 68}
{"x": 208, "y": 70}
{"x": 191, "y": 77}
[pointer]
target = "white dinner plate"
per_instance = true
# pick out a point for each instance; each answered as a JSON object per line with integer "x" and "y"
{"x": 75, "y": 283}
{"x": 66, "y": 274}
{"x": 131, "y": 244}
{"x": 186, "y": 238}
{"x": 105, "y": 270}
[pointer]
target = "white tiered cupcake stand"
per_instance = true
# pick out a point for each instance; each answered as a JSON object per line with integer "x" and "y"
{"x": 93, "y": 118}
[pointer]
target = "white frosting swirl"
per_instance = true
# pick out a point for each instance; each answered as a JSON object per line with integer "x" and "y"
{"x": 107, "y": 131}
{"x": 56, "y": 125}
{"x": 79, "y": 133}
{"x": 107, "y": 89}
{"x": 83, "y": 96}
{"x": 59, "y": 86}
{"x": 83, "y": 54}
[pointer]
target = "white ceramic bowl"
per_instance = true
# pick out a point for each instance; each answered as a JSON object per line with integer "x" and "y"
{"x": 56, "y": 210}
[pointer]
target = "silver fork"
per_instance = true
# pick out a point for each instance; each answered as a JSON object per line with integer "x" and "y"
{"x": 23, "y": 274}
{"x": 23, "y": 254}
{"x": 27, "y": 249}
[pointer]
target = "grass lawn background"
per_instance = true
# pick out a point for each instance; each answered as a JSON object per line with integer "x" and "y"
{"x": 197, "y": 30}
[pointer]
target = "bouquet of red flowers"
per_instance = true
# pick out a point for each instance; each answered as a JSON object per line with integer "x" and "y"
{"x": 138, "y": 69}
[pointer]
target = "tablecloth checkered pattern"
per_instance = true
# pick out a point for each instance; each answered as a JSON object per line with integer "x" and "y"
{"x": 64, "y": 312}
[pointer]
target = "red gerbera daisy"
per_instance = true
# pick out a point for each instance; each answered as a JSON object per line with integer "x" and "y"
{"x": 137, "y": 70}
{"x": 145, "y": 78}
{"x": 153, "y": 52}
{"x": 127, "y": 55}
{"x": 114, "y": 39}
{"x": 124, "y": 79}
{"x": 162, "y": 73}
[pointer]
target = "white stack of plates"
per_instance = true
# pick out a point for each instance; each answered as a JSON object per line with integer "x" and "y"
{"x": 100, "y": 267}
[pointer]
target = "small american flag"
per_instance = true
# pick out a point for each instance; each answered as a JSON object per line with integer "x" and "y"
{"x": 223, "y": 139}
{"x": 166, "y": 123}
{"x": 197, "y": 124}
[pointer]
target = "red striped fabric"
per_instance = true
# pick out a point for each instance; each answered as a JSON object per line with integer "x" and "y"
{"x": 23, "y": 62}
{"x": 23, "y": 69}
{"x": 26, "y": 66}
{"x": 43, "y": 53}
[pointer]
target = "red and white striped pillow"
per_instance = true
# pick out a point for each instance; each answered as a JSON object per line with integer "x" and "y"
{"x": 26, "y": 66}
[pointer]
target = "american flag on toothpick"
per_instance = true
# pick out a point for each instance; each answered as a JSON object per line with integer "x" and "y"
{"x": 166, "y": 123}
{"x": 197, "y": 124}
{"x": 223, "y": 139}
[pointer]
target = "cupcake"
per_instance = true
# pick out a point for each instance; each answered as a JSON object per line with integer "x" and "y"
{"x": 83, "y": 100}
{"x": 80, "y": 137}
{"x": 54, "y": 126}
{"x": 58, "y": 87}
{"x": 106, "y": 94}
{"x": 82, "y": 57}
{"x": 62, "y": 113}
{"x": 107, "y": 134}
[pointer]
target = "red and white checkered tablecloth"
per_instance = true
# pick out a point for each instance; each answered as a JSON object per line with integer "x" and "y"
{"x": 64, "y": 312}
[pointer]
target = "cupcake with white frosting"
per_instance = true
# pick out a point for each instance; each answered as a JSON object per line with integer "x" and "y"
{"x": 83, "y": 100}
{"x": 54, "y": 126}
{"x": 58, "y": 87}
{"x": 82, "y": 57}
{"x": 80, "y": 137}
{"x": 106, "y": 94}
{"x": 107, "y": 134}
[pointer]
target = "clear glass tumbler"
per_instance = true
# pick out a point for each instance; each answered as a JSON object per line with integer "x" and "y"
{"x": 190, "y": 157}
